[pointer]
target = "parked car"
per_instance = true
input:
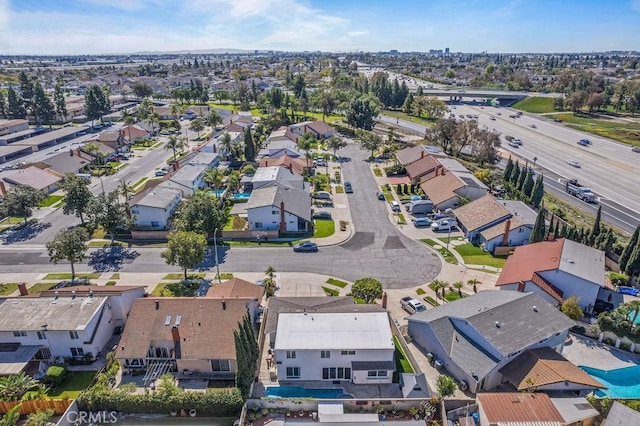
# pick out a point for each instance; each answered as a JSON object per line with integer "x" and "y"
{"x": 443, "y": 225}
{"x": 380, "y": 196}
{"x": 321, "y": 215}
{"x": 574, "y": 163}
{"x": 348, "y": 188}
{"x": 322, "y": 195}
{"x": 635, "y": 149}
{"x": 306, "y": 247}
{"x": 492, "y": 118}
{"x": 160, "y": 173}
{"x": 395, "y": 206}
{"x": 320, "y": 162}
{"x": 420, "y": 222}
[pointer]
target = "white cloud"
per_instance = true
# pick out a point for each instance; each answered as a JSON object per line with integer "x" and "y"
{"x": 129, "y": 5}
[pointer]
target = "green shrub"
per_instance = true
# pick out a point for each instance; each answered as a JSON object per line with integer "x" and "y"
{"x": 55, "y": 374}
{"x": 430, "y": 300}
{"x": 110, "y": 283}
{"x": 396, "y": 169}
{"x": 578, "y": 329}
{"x": 420, "y": 291}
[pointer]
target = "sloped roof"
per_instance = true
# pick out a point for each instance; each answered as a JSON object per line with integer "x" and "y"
{"x": 423, "y": 166}
{"x": 498, "y": 229}
{"x": 508, "y": 320}
{"x": 294, "y": 163}
{"x": 320, "y": 127}
{"x": 64, "y": 163}
{"x": 518, "y": 407}
{"x": 531, "y": 258}
{"x": 481, "y": 212}
{"x": 236, "y": 288}
{"x": 544, "y": 366}
{"x": 442, "y": 187}
{"x": 206, "y": 326}
{"x": 296, "y": 201}
{"x": 621, "y": 415}
{"x": 410, "y": 154}
{"x": 33, "y": 177}
{"x": 158, "y": 197}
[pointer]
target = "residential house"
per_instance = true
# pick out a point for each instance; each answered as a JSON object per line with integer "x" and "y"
{"x": 545, "y": 370}
{"x": 43, "y": 180}
{"x": 135, "y": 132}
{"x": 422, "y": 169}
{"x": 236, "y": 288}
{"x": 480, "y": 214}
{"x": 621, "y": 415}
{"x": 354, "y": 347}
{"x": 114, "y": 139}
{"x": 242, "y": 119}
{"x": 280, "y": 148}
{"x": 295, "y": 164}
{"x": 475, "y": 337}
{"x": 279, "y": 207}
{"x": 284, "y": 133}
{"x": 414, "y": 153}
{"x": 43, "y": 330}
{"x": 558, "y": 269}
{"x": 154, "y": 207}
{"x": 209, "y": 159}
{"x": 446, "y": 189}
{"x": 514, "y": 231}
{"x": 8, "y": 127}
{"x": 72, "y": 162}
{"x": 267, "y": 175}
{"x": 181, "y": 334}
{"x": 526, "y": 409}
{"x": 190, "y": 178}
{"x": 319, "y": 129}
{"x": 340, "y": 304}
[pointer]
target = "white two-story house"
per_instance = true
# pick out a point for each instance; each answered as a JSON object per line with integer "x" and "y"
{"x": 49, "y": 329}
{"x": 277, "y": 207}
{"x": 154, "y": 207}
{"x": 350, "y": 346}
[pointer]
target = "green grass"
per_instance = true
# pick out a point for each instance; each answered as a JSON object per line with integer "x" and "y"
{"x": 67, "y": 276}
{"x": 110, "y": 283}
{"x": 430, "y": 300}
{"x": 401, "y": 219}
{"x": 337, "y": 283}
{"x": 139, "y": 184}
{"x": 181, "y": 276}
{"x": 115, "y": 276}
{"x": 40, "y": 287}
{"x": 377, "y": 171}
{"x": 404, "y": 116}
{"x": 178, "y": 289}
{"x": 474, "y": 255}
{"x": 448, "y": 257}
{"x": 452, "y": 295}
{"x": 331, "y": 291}
{"x": 402, "y": 363}
{"x": 51, "y": 200}
{"x": 324, "y": 228}
{"x": 224, "y": 276}
{"x": 8, "y": 288}
{"x": 624, "y": 132}
{"x": 339, "y": 189}
{"x": 535, "y": 105}
{"x": 74, "y": 383}
{"x": 420, "y": 291}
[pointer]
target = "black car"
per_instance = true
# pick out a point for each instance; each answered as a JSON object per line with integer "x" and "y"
{"x": 306, "y": 247}
{"x": 348, "y": 188}
{"x": 321, "y": 215}
{"x": 380, "y": 196}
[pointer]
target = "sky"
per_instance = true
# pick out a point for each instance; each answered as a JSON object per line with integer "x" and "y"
{"x": 71, "y": 27}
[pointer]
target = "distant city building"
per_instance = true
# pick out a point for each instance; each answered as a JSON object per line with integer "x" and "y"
{"x": 446, "y": 50}
{"x": 393, "y": 51}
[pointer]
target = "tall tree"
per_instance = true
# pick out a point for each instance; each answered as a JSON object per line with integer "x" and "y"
{"x": 362, "y": 112}
{"x": 77, "y": 195}
{"x": 20, "y": 201}
{"x": 214, "y": 177}
{"x": 3, "y": 105}
{"x": 249, "y": 148}
{"x": 443, "y": 134}
{"x": 506, "y": 175}
{"x": 327, "y": 104}
{"x": 26, "y": 90}
{"x": 96, "y": 103}
{"x": 200, "y": 213}
{"x": 369, "y": 141}
{"x": 60, "y": 102}
{"x": 174, "y": 144}
{"x": 43, "y": 109}
{"x": 15, "y": 105}
{"x": 69, "y": 245}
{"x": 537, "y": 193}
{"x": 334, "y": 143}
{"x": 527, "y": 187}
{"x": 626, "y": 253}
{"x": 539, "y": 228}
{"x": 367, "y": 289}
{"x": 213, "y": 119}
{"x": 185, "y": 249}
{"x": 633, "y": 264}
{"x": 197, "y": 126}
{"x": 515, "y": 175}
{"x": 595, "y": 231}
{"x": 105, "y": 210}
{"x": 126, "y": 190}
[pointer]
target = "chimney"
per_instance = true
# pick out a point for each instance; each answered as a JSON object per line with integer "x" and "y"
{"x": 224, "y": 305}
{"x": 505, "y": 235}
{"x": 175, "y": 334}
{"x": 283, "y": 224}
{"x": 521, "y": 286}
{"x": 23, "y": 289}
{"x": 157, "y": 305}
{"x": 71, "y": 153}
{"x": 384, "y": 300}
{"x": 551, "y": 236}
{"x": 422, "y": 154}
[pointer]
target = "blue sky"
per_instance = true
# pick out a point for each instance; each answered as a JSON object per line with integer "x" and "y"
{"x": 121, "y": 26}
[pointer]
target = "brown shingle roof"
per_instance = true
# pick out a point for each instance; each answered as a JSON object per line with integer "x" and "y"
{"x": 547, "y": 287}
{"x": 409, "y": 155}
{"x": 424, "y": 166}
{"x": 497, "y": 230}
{"x": 480, "y": 212}
{"x": 531, "y": 258}
{"x": 320, "y": 127}
{"x": 544, "y": 366}
{"x": 236, "y": 288}
{"x": 33, "y": 177}
{"x": 295, "y": 164}
{"x": 518, "y": 407}
{"x": 442, "y": 187}
{"x": 206, "y": 329}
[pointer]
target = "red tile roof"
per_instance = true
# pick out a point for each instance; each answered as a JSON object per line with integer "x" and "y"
{"x": 518, "y": 407}
{"x": 547, "y": 287}
{"x": 529, "y": 259}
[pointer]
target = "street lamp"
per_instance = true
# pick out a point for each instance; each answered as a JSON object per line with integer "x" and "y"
{"x": 215, "y": 248}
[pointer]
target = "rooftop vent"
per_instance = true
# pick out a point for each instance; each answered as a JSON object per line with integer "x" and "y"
{"x": 73, "y": 294}
{"x": 497, "y": 323}
{"x": 224, "y": 305}
{"x": 570, "y": 261}
{"x": 535, "y": 308}
{"x": 157, "y": 305}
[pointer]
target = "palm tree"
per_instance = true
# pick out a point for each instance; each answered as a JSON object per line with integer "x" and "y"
{"x": 13, "y": 387}
{"x": 227, "y": 144}
{"x": 233, "y": 181}
{"x": 214, "y": 178}
{"x": 197, "y": 126}
{"x": 125, "y": 189}
{"x": 154, "y": 121}
{"x": 458, "y": 286}
{"x": 174, "y": 143}
{"x": 474, "y": 282}
{"x": 212, "y": 120}
{"x": 93, "y": 149}
{"x": 437, "y": 284}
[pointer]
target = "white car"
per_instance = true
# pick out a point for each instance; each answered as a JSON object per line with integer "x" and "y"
{"x": 533, "y": 126}
{"x": 573, "y": 163}
{"x": 492, "y": 118}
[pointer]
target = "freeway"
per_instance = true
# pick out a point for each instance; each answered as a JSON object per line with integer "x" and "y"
{"x": 377, "y": 248}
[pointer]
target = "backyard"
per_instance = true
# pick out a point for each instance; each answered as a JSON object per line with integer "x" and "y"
{"x": 74, "y": 383}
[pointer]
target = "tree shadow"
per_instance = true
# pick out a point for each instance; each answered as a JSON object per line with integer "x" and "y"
{"x": 209, "y": 260}
{"x": 111, "y": 258}
{"x": 27, "y": 232}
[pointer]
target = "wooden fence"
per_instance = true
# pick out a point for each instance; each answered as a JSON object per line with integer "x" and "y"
{"x": 59, "y": 406}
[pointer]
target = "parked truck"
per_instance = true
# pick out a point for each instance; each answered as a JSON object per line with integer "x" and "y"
{"x": 412, "y": 305}
{"x": 582, "y": 192}
{"x": 420, "y": 207}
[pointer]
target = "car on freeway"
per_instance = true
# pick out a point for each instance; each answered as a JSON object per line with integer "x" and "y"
{"x": 514, "y": 144}
{"x": 584, "y": 142}
{"x": 492, "y": 118}
{"x": 348, "y": 188}
{"x": 498, "y": 113}
{"x": 420, "y": 222}
{"x": 380, "y": 196}
{"x": 306, "y": 247}
{"x": 573, "y": 163}
{"x": 395, "y": 206}
{"x": 635, "y": 149}
{"x": 321, "y": 216}
{"x": 533, "y": 126}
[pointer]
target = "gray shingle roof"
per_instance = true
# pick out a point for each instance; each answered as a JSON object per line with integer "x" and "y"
{"x": 296, "y": 201}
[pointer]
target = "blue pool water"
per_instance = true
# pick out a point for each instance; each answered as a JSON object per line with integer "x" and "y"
{"x": 217, "y": 192}
{"x": 242, "y": 196}
{"x": 298, "y": 392}
{"x": 620, "y": 383}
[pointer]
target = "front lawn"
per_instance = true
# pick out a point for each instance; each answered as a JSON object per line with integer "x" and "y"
{"x": 474, "y": 255}
{"x": 8, "y": 288}
{"x": 67, "y": 276}
{"x": 436, "y": 245}
{"x": 337, "y": 283}
{"x": 402, "y": 363}
{"x": 324, "y": 228}
{"x": 177, "y": 289}
{"x": 74, "y": 383}
{"x": 453, "y": 295}
{"x": 180, "y": 276}
{"x": 51, "y": 200}
{"x": 331, "y": 291}
{"x": 40, "y": 287}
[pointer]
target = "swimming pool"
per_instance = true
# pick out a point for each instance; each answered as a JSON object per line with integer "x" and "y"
{"x": 298, "y": 392}
{"x": 217, "y": 193}
{"x": 620, "y": 383}
{"x": 242, "y": 196}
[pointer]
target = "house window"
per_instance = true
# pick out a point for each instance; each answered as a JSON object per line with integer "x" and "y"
{"x": 347, "y": 352}
{"x": 331, "y": 373}
{"x": 274, "y": 211}
{"x": 377, "y": 373}
{"x": 258, "y": 224}
{"x": 19, "y": 334}
{"x": 77, "y": 352}
{"x": 293, "y": 372}
{"x": 155, "y": 223}
{"x": 42, "y": 335}
{"x": 220, "y": 365}
{"x": 325, "y": 354}
{"x": 73, "y": 334}
{"x": 291, "y": 354}
{"x": 43, "y": 353}
{"x": 521, "y": 231}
